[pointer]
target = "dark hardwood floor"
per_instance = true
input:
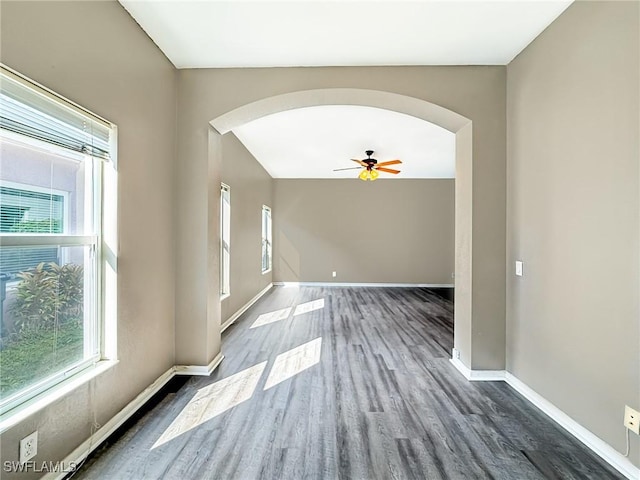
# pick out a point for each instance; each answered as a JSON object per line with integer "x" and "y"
{"x": 343, "y": 383}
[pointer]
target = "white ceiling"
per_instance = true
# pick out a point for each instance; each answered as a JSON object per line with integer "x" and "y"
{"x": 264, "y": 33}
{"x": 311, "y": 142}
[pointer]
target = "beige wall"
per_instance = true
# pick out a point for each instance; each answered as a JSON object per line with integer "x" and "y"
{"x": 388, "y": 231}
{"x": 573, "y": 216}
{"x": 477, "y": 93}
{"x": 573, "y": 201}
{"x": 463, "y": 334}
{"x": 251, "y": 188}
{"x": 95, "y": 54}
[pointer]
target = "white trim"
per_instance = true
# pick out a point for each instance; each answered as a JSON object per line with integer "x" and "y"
{"x": 597, "y": 445}
{"x": 267, "y": 236}
{"x": 199, "y": 370}
{"x": 225, "y": 267}
{"x": 342, "y": 284}
{"x": 51, "y": 95}
{"x": 51, "y": 395}
{"x": 46, "y": 147}
{"x": 461, "y": 367}
{"x": 89, "y": 445}
{"x": 38, "y": 189}
{"x": 591, "y": 441}
{"x": 478, "y": 375}
{"x": 416, "y": 107}
{"x": 244, "y": 308}
{"x": 82, "y": 451}
{"x": 44, "y": 239}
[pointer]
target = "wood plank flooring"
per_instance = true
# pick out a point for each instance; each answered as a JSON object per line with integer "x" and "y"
{"x": 343, "y": 383}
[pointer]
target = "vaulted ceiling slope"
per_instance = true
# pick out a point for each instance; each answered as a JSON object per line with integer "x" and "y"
{"x": 263, "y": 33}
{"x": 311, "y": 142}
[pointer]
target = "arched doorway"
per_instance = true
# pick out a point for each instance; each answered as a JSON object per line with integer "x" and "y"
{"x": 452, "y": 121}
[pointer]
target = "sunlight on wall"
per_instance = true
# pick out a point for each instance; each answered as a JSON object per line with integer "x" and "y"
{"x": 109, "y": 253}
{"x": 213, "y": 400}
{"x": 271, "y": 317}
{"x": 287, "y": 258}
{"x": 294, "y": 361}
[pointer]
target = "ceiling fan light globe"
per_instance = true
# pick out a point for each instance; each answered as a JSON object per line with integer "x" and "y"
{"x": 364, "y": 175}
{"x": 374, "y": 174}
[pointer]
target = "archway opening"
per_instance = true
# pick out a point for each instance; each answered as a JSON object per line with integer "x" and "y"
{"x": 435, "y": 114}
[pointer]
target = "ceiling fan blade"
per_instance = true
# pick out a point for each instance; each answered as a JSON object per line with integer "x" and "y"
{"x": 350, "y": 168}
{"x": 388, "y": 170}
{"x": 359, "y": 161}
{"x": 390, "y": 162}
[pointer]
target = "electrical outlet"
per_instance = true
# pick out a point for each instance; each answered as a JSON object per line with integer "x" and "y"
{"x": 29, "y": 447}
{"x": 334, "y": 274}
{"x": 632, "y": 419}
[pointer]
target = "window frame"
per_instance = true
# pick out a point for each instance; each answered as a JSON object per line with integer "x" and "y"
{"x": 41, "y": 190}
{"x": 50, "y": 387}
{"x": 266, "y": 212}
{"x": 36, "y": 189}
{"x": 225, "y": 265}
{"x": 66, "y": 240}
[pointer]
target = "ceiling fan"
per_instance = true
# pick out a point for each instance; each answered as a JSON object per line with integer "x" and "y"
{"x": 371, "y": 168}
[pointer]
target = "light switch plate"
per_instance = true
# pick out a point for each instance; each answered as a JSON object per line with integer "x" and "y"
{"x": 518, "y": 268}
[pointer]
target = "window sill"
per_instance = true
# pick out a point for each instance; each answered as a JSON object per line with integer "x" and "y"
{"x": 39, "y": 402}
{"x": 225, "y": 296}
{"x": 266, "y": 271}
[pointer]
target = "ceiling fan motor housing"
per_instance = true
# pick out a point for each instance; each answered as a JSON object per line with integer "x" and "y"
{"x": 370, "y": 161}
{"x": 371, "y": 169}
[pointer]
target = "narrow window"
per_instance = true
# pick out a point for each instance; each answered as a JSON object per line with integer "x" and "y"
{"x": 52, "y": 157}
{"x": 225, "y": 239}
{"x": 266, "y": 239}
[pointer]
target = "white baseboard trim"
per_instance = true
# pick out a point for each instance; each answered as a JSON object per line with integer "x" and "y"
{"x": 199, "y": 370}
{"x": 478, "y": 375}
{"x": 342, "y": 284}
{"x": 594, "y": 443}
{"x": 80, "y": 453}
{"x": 245, "y": 307}
{"x": 598, "y": 446}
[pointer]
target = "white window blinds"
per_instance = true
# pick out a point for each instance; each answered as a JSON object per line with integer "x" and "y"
{"x": 30, "y": 110}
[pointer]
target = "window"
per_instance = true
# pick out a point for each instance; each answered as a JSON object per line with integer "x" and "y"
{"x": 266, "y": 239}
{"x": 225, "y": 230}
{"x": 52, "y": 158}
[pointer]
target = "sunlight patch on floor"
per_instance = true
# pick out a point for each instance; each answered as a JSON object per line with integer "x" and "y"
{"x": 309, "y": 307}
{"x": 271, "y": 317}
{"x": 294, "y": 361}
{"x": 214, "y": 399}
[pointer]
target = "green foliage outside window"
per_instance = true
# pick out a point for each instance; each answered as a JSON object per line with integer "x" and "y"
{"x": 39, "y": 354}
{"x": 48, "y": 225}
{"x": 48, "y": 295}
{"x": 46, "y": 334}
